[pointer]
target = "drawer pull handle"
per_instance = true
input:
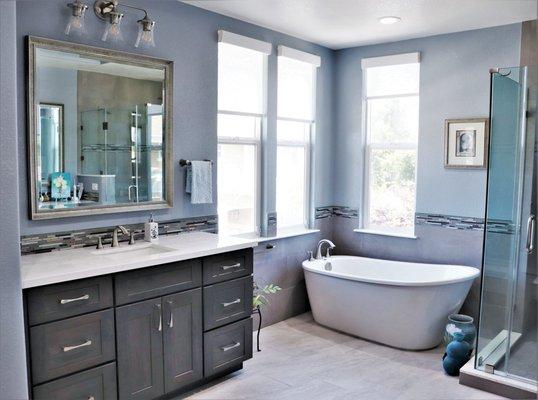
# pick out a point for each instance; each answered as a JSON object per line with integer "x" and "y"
{"x": 171, "y": 320}
{"x": 160, "y": 316}
{"x": 236, "y": 301}
{"x": 227, "y": 267}
{"x": 78, "y": 346}
{"x": 230, "y": 347}
{"x": 66, "y": 301}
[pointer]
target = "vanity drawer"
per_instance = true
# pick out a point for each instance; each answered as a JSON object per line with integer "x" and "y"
{"x": 227, "y": 347}
{"x": 223, "y": 267}
{"x": 64, "y": 300}
{"x": 147, "y": 283}
{"x": 97, "y": 384}
{"x": 227, "y": 302}
{"x": 67, "y": 346}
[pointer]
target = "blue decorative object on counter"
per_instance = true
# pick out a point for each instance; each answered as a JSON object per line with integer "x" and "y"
{"x": 61, "y": 184}
{"x": 458, "y": 352}
{"x": 463, "y": 324}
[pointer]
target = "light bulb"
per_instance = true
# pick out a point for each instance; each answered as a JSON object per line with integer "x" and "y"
{"x": 76, "y": 24}
{"x": 145, "y": 36}
{"x": 113, "y": 28}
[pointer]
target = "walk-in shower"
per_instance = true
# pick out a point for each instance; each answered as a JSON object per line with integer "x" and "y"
{"x": 123, "y": 146}
{"x": 507, "y": 333}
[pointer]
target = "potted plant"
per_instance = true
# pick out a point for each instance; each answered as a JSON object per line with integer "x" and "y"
{"x": 259, "y": 300}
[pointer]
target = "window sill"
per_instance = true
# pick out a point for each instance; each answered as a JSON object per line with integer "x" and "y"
{"x": 383, "y": 233}
{"x": 282, "y": 234}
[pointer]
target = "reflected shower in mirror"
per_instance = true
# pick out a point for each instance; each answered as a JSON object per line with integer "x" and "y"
{"x": 100, "y": 131}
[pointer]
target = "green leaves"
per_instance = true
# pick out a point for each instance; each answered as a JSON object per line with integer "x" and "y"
{"x": 259, "y": 298}
{"x": 271, "y": 289}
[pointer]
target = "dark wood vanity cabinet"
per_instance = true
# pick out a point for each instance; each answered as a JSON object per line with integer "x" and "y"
{"x": 151, "y": 332}
{"x": 160, "y": 345}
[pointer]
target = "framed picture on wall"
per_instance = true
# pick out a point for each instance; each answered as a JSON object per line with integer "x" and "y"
{"x": 466, "y": 143}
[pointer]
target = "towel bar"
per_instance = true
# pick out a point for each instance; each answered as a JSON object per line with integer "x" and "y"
{"x": 184, "y": 163}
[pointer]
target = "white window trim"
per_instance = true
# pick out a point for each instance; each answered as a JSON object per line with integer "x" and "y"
{"x": 385, "y": 61}
{"x": 298, "y": 55}
{"x": 365, "y": 227}
{"x": 315, "y": 61}
{"x": 264, "y": 48}
{"x": 244, "y": 41}
{"x": 306, "y": 145}
{"x": 256, "y": 142}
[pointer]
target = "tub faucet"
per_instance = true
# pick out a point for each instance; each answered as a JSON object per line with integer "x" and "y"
{"x": 115, "y": 234}
{"x": 320, "y": 245}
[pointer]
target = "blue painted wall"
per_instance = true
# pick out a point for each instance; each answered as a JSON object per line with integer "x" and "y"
{"x": 188, "y": 36}
{"x": 454, "y": 83}
{"x": 12, "y": 342}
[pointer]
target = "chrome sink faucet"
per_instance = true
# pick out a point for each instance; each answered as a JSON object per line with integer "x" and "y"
{"x": 115, "y": 234}
{"x": 320, "y": 245}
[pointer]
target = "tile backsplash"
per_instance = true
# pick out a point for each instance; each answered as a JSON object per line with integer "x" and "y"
{"x": 88, "y": 237}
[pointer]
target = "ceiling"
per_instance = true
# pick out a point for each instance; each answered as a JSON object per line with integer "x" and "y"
{"x": 339, "y": 24}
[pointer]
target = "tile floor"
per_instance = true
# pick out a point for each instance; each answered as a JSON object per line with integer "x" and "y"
{"x": 303, "y": 360}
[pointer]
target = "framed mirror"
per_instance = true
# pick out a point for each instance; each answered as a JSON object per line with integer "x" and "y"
{"x": 100, "y": 130}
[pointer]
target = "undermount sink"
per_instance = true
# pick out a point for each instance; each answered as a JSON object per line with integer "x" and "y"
{"x": 148, "y": 249}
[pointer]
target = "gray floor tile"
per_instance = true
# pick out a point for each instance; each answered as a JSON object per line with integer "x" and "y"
{"x": 303, "y": 360}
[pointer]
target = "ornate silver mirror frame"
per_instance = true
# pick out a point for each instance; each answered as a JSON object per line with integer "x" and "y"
{"x": 34, "y": 43}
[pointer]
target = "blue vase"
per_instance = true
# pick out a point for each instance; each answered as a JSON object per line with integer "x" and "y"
{"x": 463, "y": 324}
{"x": 458, "y": 352}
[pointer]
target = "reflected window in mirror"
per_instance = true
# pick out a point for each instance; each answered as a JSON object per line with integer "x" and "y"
{"x": 49, "y": 142}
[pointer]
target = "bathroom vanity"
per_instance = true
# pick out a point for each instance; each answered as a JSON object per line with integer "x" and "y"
{"x": 138, "y": 322}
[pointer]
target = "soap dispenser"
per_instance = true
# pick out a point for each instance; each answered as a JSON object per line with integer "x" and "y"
{"x": 151, "y": 230}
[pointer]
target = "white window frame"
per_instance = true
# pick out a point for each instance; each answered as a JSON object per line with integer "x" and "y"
{"x": 256, "y": 142}
{"x": 369, "y": 146}
{"x": 265, "y": 49}
{"x": 307, "y": 145}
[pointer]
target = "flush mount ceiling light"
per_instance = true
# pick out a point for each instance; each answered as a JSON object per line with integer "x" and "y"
{"x": 109, "y": 11}
{"x": 389, "y": 20}
{"x": 75, "y": 25}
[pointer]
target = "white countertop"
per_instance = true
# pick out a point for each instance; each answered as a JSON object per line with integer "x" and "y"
{"x": 67, "y": 265}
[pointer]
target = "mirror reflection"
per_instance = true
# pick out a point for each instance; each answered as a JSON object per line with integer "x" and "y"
{"x": 99, "y": 137}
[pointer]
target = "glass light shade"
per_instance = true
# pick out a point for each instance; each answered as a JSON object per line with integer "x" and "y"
{"x": 145, "y": 36}
{"x": 113, "y": 29}
{"x": 76, "y": 24}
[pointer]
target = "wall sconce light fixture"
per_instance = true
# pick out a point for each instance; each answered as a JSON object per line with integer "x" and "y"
{"x": 108, "y": 11}
{"x": 113, "y": 27}
{"x": 76, "y": 25}
{"x": 145, "y": 33}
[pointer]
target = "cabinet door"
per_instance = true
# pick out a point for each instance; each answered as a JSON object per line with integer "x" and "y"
{"x": 140, "y": 350}
{"x": 182, "y": 339}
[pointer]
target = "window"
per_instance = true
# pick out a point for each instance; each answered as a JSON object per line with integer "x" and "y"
{"x": 295, "y": 123}
{"x": 241, "y": 109}
{"x": 391, "y": 103}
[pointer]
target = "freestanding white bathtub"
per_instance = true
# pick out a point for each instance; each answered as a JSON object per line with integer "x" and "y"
{"x": 400, "y": 304}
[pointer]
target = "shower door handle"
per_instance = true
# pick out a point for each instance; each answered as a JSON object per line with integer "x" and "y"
{"x": 531, "y": 227}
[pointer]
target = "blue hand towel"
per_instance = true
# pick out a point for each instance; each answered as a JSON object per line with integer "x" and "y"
{"x": 199, "y": 182}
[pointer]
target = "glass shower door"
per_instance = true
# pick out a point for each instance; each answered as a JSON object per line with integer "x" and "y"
{"x": 507, "y": 330}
